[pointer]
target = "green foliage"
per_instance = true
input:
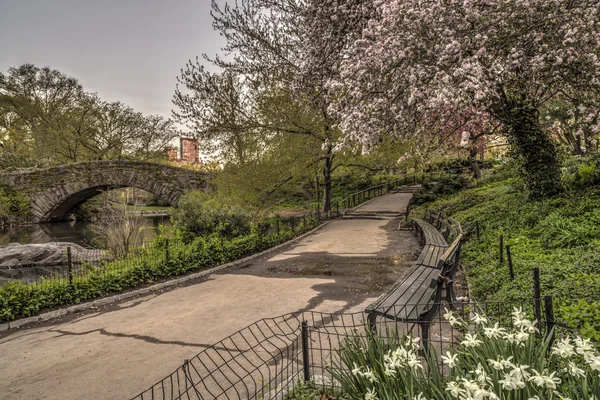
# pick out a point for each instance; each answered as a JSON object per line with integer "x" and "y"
{"x": 308, "y": 391}
{"x": 13, "y": 203}
{"x": 561, "y": 236}
{"x": 583, "y": 316}
{"x": 434, "y": 188}
{"x": 199, "y": 214}
{"x": 138, "y": 268}
{"x": 580, "y": 173}
{"x": 491, "y": 362}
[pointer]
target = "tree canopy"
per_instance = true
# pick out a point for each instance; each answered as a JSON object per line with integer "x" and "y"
{"x": 46, "y": 118}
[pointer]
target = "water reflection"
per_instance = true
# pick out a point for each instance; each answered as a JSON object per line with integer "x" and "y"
{"x": 78, "y": 232}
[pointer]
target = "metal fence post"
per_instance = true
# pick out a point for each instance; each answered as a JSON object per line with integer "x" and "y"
{"x": 69, "y": 266}
{"x": 305, "y": 352}
{"x": 277, "y": 220}
{"x": 501, "y": 249}
{"x": 536, "y": 298}
{"x": 549, "y": 311}
{"x": 337, "y": 210}
{"x": 167, "y": 250}
{"x": 510, "y": 264}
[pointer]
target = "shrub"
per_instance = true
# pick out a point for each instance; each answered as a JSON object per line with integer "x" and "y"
{"x": 13, "y": 203}
{"x": 435, "y": 188}
{"x": 200, "y": 215}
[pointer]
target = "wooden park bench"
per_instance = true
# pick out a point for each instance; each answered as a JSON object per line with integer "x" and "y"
{"x": 417, "y": 298}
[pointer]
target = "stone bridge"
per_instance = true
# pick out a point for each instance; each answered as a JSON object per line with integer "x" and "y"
{"x": 54, "y": 192}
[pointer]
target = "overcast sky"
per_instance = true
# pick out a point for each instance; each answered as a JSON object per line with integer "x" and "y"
{"x": 126, "y": 50}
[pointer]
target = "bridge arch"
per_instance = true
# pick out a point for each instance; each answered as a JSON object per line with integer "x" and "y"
{"x": 54, "y": 192}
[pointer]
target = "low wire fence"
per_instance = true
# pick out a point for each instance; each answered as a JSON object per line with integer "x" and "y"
{"x": 268, "y": 358}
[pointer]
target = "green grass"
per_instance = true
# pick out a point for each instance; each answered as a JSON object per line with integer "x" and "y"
{"x": 561, "y": 236}
{"x": 308, "y": 391}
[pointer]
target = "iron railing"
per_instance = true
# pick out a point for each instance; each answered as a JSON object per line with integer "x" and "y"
{"x": 268, "y": 358}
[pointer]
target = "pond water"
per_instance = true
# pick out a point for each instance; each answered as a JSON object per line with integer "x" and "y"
{"x": 78, "y": 232}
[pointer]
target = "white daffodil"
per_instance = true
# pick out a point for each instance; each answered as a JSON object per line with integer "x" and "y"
{"x": 496, "y": 364}
{"x": 413, "y": 342}
{"x": 547, "y": 381}
{"x": 494, "y": 332}
{"x": 356, "y": 370}
{"x": 521, "y": 372}
{"x": 479, "y": 319}
{"x": 470, "y": 386}
{"x": 583, "y": 346}
{"x": 449, "y": 359}
{"x": 593, "y": 361}
{"x": 574, "y": 370}
{"x": 370, "y": 375}
{"x": 471, "y": 340}
{"x": 564, "y": 348}
{"x": 370, "y": 395}
{"x": 414, "y": 362}
{"x": 509, "y": 337}
{"x": 448, "y": 314}
{"x": 482, "y": 376}
{"x": 521, "y": 337}
{"x": 518, "y": 314}
{"x": 420, "y": 397}
{"x": 511, "y": 382}
{"x": 454, "y": 389}
{"x": 507, "y": 363}
{"x": 454, "y": 322}
{"x": 527, "y": 325}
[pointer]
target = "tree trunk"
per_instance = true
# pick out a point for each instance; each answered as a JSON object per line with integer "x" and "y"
{"x": 327, "y": 164}
{"x": 535, "y": 150}
{"x": 577, "y": 150}
{"x": 473, "y": 158}
{"x": 317, "y": 189}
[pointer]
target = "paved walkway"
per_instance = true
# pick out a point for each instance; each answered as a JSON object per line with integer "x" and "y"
{"x": 118, "y": 351}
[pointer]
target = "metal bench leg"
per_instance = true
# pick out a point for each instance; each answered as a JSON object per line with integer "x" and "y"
{"x": 372, "y": 319}
{"x": 425, "y": 336}
{"x": 450, "y": 293}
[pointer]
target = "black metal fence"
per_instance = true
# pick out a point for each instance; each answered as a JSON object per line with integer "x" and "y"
{"x": 268, "y": 358}
{"x": 357, "y": 198}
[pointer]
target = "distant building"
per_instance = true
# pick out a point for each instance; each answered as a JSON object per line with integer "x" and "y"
{"x": 187, "y": 153}
{"x": 189, "y": 150}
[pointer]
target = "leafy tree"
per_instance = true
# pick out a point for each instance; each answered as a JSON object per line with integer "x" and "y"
{"x": 269, "y": 43}
{"x": 46, "y": 118}
{"x": 34, "y": 103}
{"x": 505, "y": 58}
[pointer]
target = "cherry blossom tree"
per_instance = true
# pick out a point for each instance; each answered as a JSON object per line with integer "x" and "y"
{"x": 506, "y": 58}
{"x": 274, "y": 46}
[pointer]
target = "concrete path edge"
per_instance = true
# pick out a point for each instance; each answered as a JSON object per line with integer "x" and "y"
{"x": 150, "y": 289}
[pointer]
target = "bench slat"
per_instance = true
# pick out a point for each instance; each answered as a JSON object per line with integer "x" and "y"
{"x": 411, "y": 300}
{"x": 412, "y": 281}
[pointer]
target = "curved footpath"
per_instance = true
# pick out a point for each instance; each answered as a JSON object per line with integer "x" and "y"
{"x": 116, "y": 351}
